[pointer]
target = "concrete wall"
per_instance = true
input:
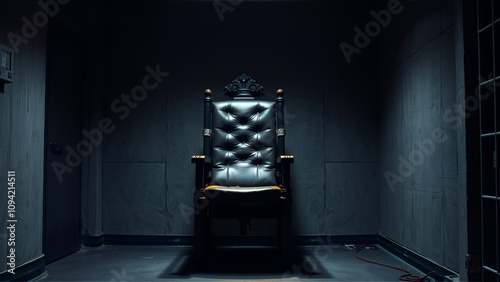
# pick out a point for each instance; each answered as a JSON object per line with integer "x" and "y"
{"x": 422, "y": 186}
{"x": 22, "y": 111}
{"x": 330, "y": 116}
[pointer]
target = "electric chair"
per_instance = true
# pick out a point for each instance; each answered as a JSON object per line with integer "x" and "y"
{"x": 244, "y": 172}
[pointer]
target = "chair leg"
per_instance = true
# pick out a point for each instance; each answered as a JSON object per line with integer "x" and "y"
{"x": 208, "y": 235}
{"x": 285, "y": 230}
{"x": 200, "y": 227}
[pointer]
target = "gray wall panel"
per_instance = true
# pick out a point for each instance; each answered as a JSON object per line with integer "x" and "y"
{"x": 351, "y": 203}
{"x": 423, "y": 210}
{"x": 305, "y": 140}
{"x": 141, "y": 135}
{"x": 22, "y": 111}
{"x": 134, "y": 201}
{"x": 448, "y": 14}
{"x": 396, "y": 215}
{"x": 422, "y": 22}
{"x": 427, "y": 208}
{"x": 451, "y": 243}
{"x": 349, "y": 126}
{"x": 449, "y": 103}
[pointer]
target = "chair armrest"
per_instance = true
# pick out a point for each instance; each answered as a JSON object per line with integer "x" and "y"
{"x": 201, "y": 162}
{"x": 285, "y": 159}
{"x": 200, "y": 159}
{"x": 284, "y": 162}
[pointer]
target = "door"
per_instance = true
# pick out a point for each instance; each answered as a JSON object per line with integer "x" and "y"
{"x": 63, "y": 124}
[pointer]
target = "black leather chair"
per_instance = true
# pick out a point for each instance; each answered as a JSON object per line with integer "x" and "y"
{"x": 244, "y": 172}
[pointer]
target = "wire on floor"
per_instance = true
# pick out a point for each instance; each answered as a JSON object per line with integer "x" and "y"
{"x": 405, "y": 277}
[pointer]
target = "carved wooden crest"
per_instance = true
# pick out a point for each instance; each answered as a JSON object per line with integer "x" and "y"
{"x": 244, "y": 87}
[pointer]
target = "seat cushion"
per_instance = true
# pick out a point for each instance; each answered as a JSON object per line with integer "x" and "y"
{"x": 248, "y": 196}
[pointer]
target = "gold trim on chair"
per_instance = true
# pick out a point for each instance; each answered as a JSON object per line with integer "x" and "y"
{"x": 242, "y": 189}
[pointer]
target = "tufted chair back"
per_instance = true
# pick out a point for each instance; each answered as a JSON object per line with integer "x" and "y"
{"x": 244, "y": 143}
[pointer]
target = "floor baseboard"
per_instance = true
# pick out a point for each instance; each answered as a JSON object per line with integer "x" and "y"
{"x": 26, "y": 271}
{"x": 422, "y": 263}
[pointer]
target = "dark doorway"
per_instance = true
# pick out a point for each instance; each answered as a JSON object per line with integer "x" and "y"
{"x": 63, "y": 123}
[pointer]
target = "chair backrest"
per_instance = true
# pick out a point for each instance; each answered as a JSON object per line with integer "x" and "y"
{"x": 240, "y": 135}
{"x": 244, "y": 143}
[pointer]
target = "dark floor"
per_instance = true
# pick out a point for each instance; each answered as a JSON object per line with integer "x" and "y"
{"x": 167, "y": 263}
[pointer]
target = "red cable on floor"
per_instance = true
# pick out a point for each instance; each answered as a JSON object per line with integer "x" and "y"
{"x": 404, "y": 277}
